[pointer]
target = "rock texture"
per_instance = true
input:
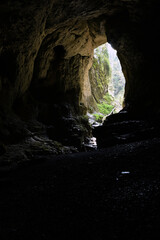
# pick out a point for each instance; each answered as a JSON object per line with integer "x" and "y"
{"x": 123, "y": 128}
{"x": 46, "y": 50}
{"x": 108, "y": 194}
{"x": 99, "y": 77}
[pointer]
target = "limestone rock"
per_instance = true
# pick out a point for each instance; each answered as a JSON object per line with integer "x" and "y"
{"x": 46, "y": 50}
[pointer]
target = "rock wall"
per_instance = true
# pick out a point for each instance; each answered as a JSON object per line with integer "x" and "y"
{"x": 99, "y": 76}
{"x": 134, "y": 35}
{"x": 63, "y": 61}
{"x": 46, "y": 50}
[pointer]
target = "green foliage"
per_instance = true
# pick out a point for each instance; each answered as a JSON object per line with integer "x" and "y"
{"x": 98, "y": 117}
{"x": 102, "y": 73}
{"x": 103, "y": 79}
{"x": 101, "y": 60}
{"x": 105, "y": 108}
{"x": 108, "y": 98}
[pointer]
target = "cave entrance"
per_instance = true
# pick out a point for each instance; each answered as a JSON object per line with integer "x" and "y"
{"x": 107, "y": 84}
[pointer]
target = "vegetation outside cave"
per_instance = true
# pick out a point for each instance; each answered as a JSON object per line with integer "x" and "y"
{"x": 107, "y": 83}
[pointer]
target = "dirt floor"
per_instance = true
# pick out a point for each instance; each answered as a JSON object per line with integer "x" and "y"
{"x": 110, "y": 194}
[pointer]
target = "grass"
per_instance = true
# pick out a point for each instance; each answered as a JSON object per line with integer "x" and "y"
{"x": 105, "y": 107}
{"x": 108, "y": 98}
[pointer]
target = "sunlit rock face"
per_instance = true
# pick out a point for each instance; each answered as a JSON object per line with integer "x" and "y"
{"x": 46, "y": 50}
{"x": 31, "y": 32}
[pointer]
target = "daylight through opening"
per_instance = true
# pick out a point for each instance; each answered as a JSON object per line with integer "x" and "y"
{"x": 107, "y": 84}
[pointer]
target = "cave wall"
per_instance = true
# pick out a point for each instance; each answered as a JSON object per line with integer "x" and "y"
{"x": 46, "y": 50}
{"x": 134, "y": 34}
{"x": 63, "y": 61}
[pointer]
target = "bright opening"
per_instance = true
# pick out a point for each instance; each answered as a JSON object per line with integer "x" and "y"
{"x": 107, "y": 83}
{"x": 117, "y": 82}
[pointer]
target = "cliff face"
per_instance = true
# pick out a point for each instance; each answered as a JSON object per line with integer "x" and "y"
{"x": 46, "y": 50}
{"x": 99, "y": 75}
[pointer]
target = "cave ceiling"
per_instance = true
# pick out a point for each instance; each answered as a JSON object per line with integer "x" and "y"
{"x": 29, "y": 29}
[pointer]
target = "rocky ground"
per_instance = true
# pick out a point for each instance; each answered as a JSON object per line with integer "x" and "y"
{"x": 112, "y": 193}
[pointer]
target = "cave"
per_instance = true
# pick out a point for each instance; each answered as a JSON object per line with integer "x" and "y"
{"x": 54, "y": 185}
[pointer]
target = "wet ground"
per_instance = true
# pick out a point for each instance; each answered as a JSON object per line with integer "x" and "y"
{"x": 110, "y": 194}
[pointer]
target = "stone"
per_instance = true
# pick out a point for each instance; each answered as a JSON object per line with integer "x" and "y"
{"x": 122, "y": 128}
{"x": 46, "y": 51}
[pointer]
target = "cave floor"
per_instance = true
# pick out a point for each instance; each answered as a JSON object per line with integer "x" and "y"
{"x": 111, "y": 193}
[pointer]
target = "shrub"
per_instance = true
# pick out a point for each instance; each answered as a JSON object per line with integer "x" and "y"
{"x": 98, "y": 117}
{"x": 108, "y": 98}
{"x": 105, "y": 108}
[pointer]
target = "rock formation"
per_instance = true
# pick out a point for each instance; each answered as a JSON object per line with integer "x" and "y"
{"x": 46, "y": 50}
{"x": 99, "y": 76}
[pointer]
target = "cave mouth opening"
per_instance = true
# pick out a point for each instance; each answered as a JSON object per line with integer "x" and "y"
{"x": 107, "y": 84}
